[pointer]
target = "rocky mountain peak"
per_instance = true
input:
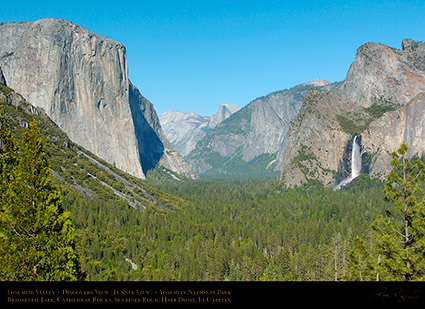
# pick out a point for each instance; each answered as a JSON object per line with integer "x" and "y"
{"x": 411, "y": 45}
{"x": 380, "y": 71}
{"x": 319, "y": 82}
{"x": 224, "y": 112}
{"x": 184, "y": 130}
{"x": 381, "y": 102}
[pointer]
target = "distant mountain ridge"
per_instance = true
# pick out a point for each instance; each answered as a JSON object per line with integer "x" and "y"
{"x": 250, "y": 141}
{"x": 184, "y": 130}
{"x": 304, "y": 132}
{"x": 80, "y": 80}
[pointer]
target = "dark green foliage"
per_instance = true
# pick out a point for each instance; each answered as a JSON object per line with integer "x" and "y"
{"x": 360, "y": 262}
{"x": 235, "y": 167}
{"x": 82, "y": 170}
{"x": 395, "y": 249}
{"x": 199, "y": 230}
{"x": 216, "y": 230}
{"x": 304, "y": 154}
{"x": 254, "y": 230}
{"x": 101, "y": 199}
{"x": 37, "y": 240}
{"x": 352, "y": 125}
{"x": 400, "y": 234}
{"x": 379, "y": 107}
{"x": 8, "y": 151}
{"x": 356, "y": 122}
{"x": 6, "y": 90}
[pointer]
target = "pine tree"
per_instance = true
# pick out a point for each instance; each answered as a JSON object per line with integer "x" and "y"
{"x": 400, "y": 236}
{"x": 8, "y": 152}
{"x": 359, "y": 262}
{"x": 37, "y": 236}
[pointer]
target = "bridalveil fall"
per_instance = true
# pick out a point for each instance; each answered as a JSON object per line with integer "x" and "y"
{"x": 356, "y": 164}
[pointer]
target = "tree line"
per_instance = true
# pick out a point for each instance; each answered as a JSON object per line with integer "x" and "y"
{"x": 248, "y": 230}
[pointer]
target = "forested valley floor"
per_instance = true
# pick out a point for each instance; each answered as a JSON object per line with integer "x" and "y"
{"x": 242, "y": 230}
{"x": 168, "y": 229}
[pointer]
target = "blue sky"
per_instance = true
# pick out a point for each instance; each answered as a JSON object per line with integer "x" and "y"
{"x": 191, "y": 56}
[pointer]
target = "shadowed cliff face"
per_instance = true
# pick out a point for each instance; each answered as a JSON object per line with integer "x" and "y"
{"x": 151, "y": 148}
{"x": 80, "y": 79}
{"x": 154, "y": 147}
{"x": 345, "y": 170}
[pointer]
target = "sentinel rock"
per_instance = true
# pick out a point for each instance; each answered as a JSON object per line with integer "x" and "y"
{"x": 80, "y": 79}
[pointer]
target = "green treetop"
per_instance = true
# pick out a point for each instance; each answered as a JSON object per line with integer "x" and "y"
{"x": 36, "y": 235}
{"x": 400, "y": 236}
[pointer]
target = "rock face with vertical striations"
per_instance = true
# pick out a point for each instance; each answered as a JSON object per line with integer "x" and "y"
{"x": 382, "y": 100}
{"x": 387, "y": 133}
{"x": 316, "y": 141}
{"x": 250, "y": 142}
{"x": 80, "y": 79}
{"x": 379, "y": 71}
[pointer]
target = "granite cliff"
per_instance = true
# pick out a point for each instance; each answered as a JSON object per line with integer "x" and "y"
{"x": 306, "y": 132}
{"x": 184, "y": 130}
{"x": 379, "y": 71}
{"x": 80, "y": 79}
{"x": 75, "y": 169}
{"x": 251, "y": 140}
{"x": 387, "y": 133}
{"x": 381, "y": 101}
{"x": 316, "y": 141}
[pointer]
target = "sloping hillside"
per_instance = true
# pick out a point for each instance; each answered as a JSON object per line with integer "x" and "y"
{"x": 107, "y": 205}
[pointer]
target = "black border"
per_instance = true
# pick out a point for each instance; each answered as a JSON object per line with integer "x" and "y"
{"x": 224, "y": 293}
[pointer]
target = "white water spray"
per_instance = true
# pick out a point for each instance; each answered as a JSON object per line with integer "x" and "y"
{"x": 356, "y": 160}
{"x": 356, "y": 164}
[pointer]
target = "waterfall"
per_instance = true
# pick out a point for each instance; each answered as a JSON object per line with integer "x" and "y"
{"x": 356, "y": 160}
{"x": 356, "y": 164}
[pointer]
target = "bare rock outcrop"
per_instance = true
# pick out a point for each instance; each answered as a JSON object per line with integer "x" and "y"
{"x": 386, "y": 134}
{"x": 382, "y": 100}
{"x": 316, "y": 141}
{"x": 379, "y": 71}
{"x": 80, "y": 79}
{"x": 184, "y": 130}
{"x": 255, "y": 136}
